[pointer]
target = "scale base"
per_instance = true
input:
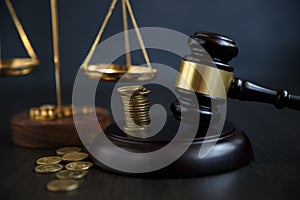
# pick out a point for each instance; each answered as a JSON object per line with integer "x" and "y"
{"x": 232, "y": 150}
{"x": 57, "y": 133}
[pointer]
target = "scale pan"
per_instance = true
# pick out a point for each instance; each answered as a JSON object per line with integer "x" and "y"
{"x": 18, "y": 66}
{"x": 113, "y": 72}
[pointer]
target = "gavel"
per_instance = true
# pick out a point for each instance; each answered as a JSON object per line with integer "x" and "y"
{"x": 206, "y": 74}
{"x": 221, "y": 49}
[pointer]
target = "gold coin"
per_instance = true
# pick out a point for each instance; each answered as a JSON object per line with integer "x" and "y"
{"x": 65, "y": 150}
{"x": 48, "y": 107}
{"x": 48, "y": 168}
{"x": 75, "y": 156}
{"x": 48, "y": 160}
{"x": 87, "y": 109}
{"x": 62, "y": 185}
{"x": 71, "y": 174}
{"x": 67, "y": 111}
{"x": 79, "y": 165}
{"x": 129, "y": 89}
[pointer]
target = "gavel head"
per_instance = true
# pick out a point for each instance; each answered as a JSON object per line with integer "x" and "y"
{"x": 220, "y": 48}
{"x": 210, "y": 55}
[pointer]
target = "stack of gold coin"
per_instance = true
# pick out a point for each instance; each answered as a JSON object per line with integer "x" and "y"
{"x": 136, "y": 107}
{"x": 75, "y": 169}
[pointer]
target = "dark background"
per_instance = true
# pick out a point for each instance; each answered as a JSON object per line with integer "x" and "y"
{"x": 267, "y": 33}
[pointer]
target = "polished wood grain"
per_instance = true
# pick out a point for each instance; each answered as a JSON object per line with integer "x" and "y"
{"x": 32, "y": 133}
{"x": 247, "y": 91}
{"x": 274, "y": 173}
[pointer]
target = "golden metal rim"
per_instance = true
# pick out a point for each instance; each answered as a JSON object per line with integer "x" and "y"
{"x": 113, "y": 72}
{"x": 113, "y": 76}
{"x": 190, "y": 78}
{"x": 18, "y": 66}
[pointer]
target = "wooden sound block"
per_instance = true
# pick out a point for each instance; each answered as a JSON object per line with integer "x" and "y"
{"x": 62, "y": 132}
{"x": 231, "y": 151}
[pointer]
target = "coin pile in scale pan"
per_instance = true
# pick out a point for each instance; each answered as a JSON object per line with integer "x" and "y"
{"x": 75, "y": 168}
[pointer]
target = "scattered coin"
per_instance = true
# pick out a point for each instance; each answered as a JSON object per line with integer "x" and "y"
{"x": 48, "y": 160}
{"x": 62, "y": 185}
{"x": 75, "y": 156}
{"x": 79, "y": 165}
{"x": 65, "y": 150}
{"x": 48, "y": 168}
{"x": 75, "y": 170}
{"x": 71, "y": 174}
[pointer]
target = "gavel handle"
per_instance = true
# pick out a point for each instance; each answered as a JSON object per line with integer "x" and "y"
{"x": 247, "y": 91}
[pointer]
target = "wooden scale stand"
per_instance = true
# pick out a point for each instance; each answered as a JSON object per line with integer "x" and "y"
{"x": 51, "y": 126}
{"x": 47, "y": 126}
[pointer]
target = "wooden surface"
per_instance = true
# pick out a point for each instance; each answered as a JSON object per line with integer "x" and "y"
{"x": 238, "y": 150}
{"x": 62, "y": 132}
{"x": 274, "y": 173}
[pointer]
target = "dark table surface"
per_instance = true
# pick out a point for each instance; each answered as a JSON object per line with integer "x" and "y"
{"x": 273, "y": 174}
